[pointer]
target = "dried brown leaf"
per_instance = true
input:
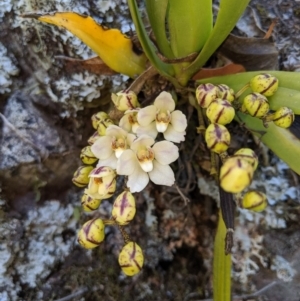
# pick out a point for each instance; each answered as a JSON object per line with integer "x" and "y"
{"x": 94, "y": 65}
{"x": 253, "y": 53}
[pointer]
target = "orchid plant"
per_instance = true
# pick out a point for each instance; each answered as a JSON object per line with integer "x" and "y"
{"x": 183, "y": 37}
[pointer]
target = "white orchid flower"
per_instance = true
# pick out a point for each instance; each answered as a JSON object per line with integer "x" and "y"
{"x": 129, "y": 121}
{"x": 161, "y": 117}
{"x": 146, "y": 160}
{"x": 109, "y": 148}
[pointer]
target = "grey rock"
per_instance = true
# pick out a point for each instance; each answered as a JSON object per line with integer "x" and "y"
{"x": 33, "y": 148}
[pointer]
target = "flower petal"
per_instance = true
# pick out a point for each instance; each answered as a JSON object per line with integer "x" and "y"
{"x": 102, "y": 147}
{"x": 125, "y": 124}
{"x": 165, "y": 152}
{"x": 102, "y": 171}
{"x": 111, "y": 161}
{"x": 138, "y": 180}
{"x": 162, "y": 174}
{"x": 149, "y": 130}
{"x": 146, "y": 115}
{"x": 165, "y": 102}
{"x": 127, "y": 163}
{"x": 115, "y": 131}
{"x": 130, "y": 138}
{"x": 172, "y": 135}
{"x": 126, "y": 121}
{"x": 142, "y": 141}
{"x": 178, "y": 120}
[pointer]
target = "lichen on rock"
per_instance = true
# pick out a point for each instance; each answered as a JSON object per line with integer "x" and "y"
{"x": 7, "y": 69}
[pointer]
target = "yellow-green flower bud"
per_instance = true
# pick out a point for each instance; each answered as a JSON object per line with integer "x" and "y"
{"x": 220, "y": 111}
{"x": 225, "y": 92}
{"x": 217, "y": 138}
{"x": 124, "y": 208}
{"x": 102, "y": 184}
{"x": 205, "y": 94}
{"x": 125, "y": 100}
{"x": 265, "y": 84}
{"x": 283, "y": 117}
{"x": 243, "y": 109}
{"x": 91, "y": 234}
{"x": 96, "y": 118}
{"x": 81, "y": 176}
{"x": 89, "y": 204}
{"x": 235, "y": 175}
{"x": 249, "y": 155}
{"x": 87, "y": 156}
{"x": 93, "y": 138}
{"x": 256, "y": 105}
{"x": 131, "y": 259}
{"x": 103, "y": 125}
{"x": 255, "y": 201}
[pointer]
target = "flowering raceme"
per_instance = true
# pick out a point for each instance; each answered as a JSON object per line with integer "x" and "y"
{"x": 146, "y": 159}
{"x": 161, "y": 118}
{"x": 128, "y": 150}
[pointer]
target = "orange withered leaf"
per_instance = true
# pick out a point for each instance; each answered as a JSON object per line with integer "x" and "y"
{"x": 113, "y": 47}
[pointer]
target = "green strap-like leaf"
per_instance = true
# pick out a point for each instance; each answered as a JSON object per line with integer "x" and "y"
{"x": 281, "y": 141}
{"x": 285, "y": 97}
{"x": 221, "y": 265}
{"x": 148, "y": 47}
{"x": 157, "y": 11}
{"x": 190, "y": 24}
{"x": 229, "y": 13}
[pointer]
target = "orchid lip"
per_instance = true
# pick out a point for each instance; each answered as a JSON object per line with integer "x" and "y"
{"x": 147, "y": 166}
{"x": 161, "y": 126}
{"x": 118, "y": 152}
{"x": 135, "y": 127}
